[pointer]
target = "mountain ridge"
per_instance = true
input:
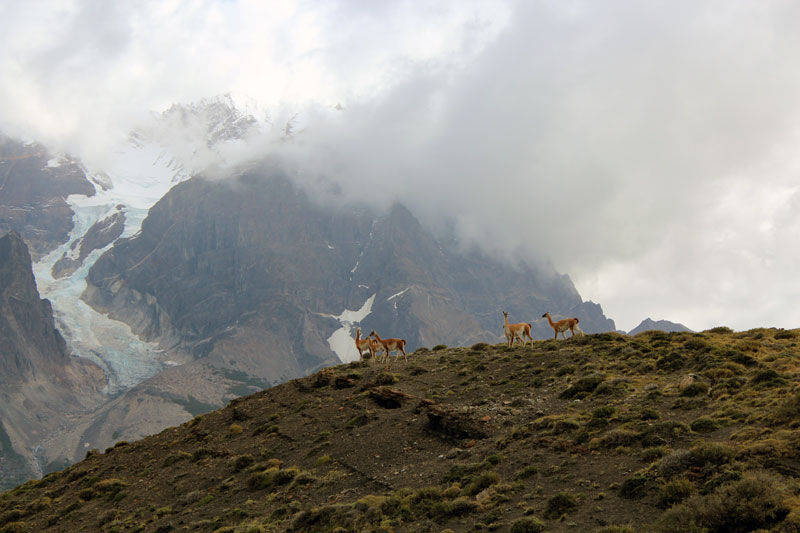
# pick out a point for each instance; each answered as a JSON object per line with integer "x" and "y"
{"x": 604, "y": 432}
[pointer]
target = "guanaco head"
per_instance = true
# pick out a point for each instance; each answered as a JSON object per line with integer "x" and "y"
{"x": 371, "y": 333}
{"x": 505, "y": 314}
{"x": 546, "y": 314}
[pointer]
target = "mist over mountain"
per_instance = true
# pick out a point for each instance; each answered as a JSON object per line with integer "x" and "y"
{"x": 185, "y": 289}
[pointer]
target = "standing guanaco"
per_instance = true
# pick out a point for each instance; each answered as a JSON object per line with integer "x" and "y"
{"x": 516, "y": 331}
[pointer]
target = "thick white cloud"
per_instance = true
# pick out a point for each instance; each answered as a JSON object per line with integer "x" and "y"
{"x": 646, "y": 148}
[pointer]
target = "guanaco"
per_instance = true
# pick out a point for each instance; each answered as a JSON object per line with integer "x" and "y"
{"x": 364, "y": 345}
{"x": 563, "y": 325}
{"x": 390, "y": 345}
{"x": 516, "y": 331}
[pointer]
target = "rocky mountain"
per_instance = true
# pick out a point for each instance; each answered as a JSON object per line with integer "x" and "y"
{"x": 249, "y": 283}
{"x": 241, "y": 274}
{"x": 658, "y": 325}
{"x": 33, "y": 193}
{"x": 188, "y": 293}
{"x": 661, "y": 432}
{"x": 41, "y": 384}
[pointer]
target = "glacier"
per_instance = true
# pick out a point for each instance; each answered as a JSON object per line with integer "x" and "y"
{"x": 138, "y": 177}
{"x": 173, "y": 146}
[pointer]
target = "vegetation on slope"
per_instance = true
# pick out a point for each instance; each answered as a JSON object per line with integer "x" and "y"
{"x": 610, "y": 433}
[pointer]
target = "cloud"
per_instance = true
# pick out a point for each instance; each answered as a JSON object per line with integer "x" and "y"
{"x": 646, "y": 148}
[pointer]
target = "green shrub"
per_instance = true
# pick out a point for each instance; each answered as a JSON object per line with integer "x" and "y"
{"x": 719, "y": 330}
{"x": 633, "y": 488}
{"x": 385, "y": 378}
{"x": 11, "y": 516}
{"x": 526, "y": 472}
{"x": 586, "y": 384}
{"x": 675, "y": 491}
{"x": 616, "y": 437}
{"x": 271, "y": 477}
{"x": 695, "y": 389}
{"x": 458, "y": 507}
{"x": 15, "y": 527}
{"x": 697, "y": 345}
{"x": 671, "y": 362}
{"x": 560, "y": 504}
{"x": 705, "y": 424}
{"x": 242, "y": 461}
{"x": 704, "y": 456}
{"x": 739, "y": 357}
{"x": 568, "y": 369}
{"x": 483, "y": 481}
{"x": 749, "y": 504}
{"x": 789, "y": 411}
{"x": 768, "y": 378}
{"x": 527, "y": 525}
{"x": 602, "y": 413}
{"x": 463, "y": 473}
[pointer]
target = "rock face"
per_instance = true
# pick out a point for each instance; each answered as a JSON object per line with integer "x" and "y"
{"x": 32, "y": 195}
{"x": 659, "y": 325}
{"x": 41, "y": 384}
{"x": 29, "y": 341}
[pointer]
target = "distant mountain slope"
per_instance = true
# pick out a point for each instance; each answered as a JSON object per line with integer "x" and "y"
{"x": 215, "y": 261}
{"x": 461, "y": 439}
{"x": 40, "y": 382}
{"x": 249, "y": 277}
{"x": 658, "y": 325}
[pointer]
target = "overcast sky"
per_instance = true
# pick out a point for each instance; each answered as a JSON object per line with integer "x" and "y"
{"x": 649, "y": 149}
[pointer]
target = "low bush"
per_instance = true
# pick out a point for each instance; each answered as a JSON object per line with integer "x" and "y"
{"x": 586, "y": 384}
{"x": 753, "y": 503}
{"x": 527, "y": 525}
{"x": 633, "y": 488}
{"x": 675, "y": 491}
{"x": 560, "y": 504}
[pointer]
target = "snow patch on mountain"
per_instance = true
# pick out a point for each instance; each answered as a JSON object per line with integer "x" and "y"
{"x": 341, "y": 341}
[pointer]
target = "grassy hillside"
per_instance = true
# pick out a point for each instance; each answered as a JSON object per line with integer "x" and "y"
{"x": 658, "y": 432}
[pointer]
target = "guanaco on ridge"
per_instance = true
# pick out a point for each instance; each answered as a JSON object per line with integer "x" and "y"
{"x": 364, "y": 345}
{"x": 390, "y": 345}
{"x": 563, "y": 325}
{"x": 516, "y": 331}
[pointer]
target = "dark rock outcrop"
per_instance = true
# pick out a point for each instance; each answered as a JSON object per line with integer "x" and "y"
{"x": 41, "y": 384}
{"x": 33, "y": 193}
{"x": 29, "y": 340}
